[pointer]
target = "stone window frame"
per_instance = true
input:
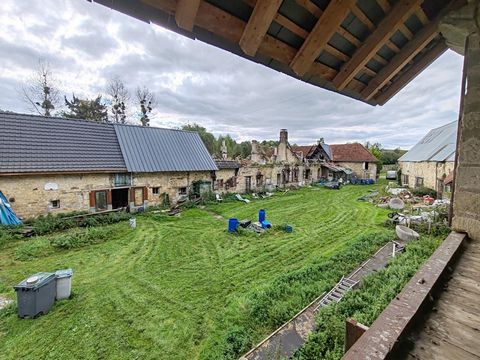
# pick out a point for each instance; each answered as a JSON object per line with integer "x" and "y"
{"x": 419, "y": 183}
{"x": 155, "y": 190}
{"x": 55, "y": 204}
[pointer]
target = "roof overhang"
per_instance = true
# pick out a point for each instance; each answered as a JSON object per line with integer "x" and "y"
{"x": 365, "y": 50}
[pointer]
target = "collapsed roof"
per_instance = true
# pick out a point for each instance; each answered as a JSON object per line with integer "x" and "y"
{"x": 366, "y": 49}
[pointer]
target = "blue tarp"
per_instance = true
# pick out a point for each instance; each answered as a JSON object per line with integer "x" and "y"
{"x": 7, "y": 216}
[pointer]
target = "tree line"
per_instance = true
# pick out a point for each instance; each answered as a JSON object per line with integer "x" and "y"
{"x": 42, "y": 95}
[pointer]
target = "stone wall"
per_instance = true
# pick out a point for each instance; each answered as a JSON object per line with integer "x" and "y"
{"x": 466, "y": 204}
{"x": 430, "y": 171}
{"x": 30, "y": 197}
{"x": 358, "y": 169}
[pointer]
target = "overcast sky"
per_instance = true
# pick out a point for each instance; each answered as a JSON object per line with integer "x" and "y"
{"x": 87, "y": 43}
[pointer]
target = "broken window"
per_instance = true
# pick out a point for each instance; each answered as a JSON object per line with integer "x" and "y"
{"x": 55, "y": 204}
{"x": 155, "y": 190}
{"x": 365, "y": 165}
{"x": 101, "y": 200}
{"x": 182, "y": 191}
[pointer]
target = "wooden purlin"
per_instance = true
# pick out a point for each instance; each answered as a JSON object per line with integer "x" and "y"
{"x": 387, "y": 27}
{"x": 260, "y": 20}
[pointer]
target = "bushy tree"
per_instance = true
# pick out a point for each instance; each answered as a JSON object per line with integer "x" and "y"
{"x": 93, "y": 110}
{"x": 207, "y": 137}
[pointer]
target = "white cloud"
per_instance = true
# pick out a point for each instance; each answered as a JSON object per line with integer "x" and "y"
{"x": 194, "y": 82}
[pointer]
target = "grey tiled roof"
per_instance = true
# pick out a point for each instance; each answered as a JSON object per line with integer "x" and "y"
{"x": 227, "y": 164}
{"x": 150, "y": 149}
{"x": 438, "y": 145}
{"x": 31, "y": 143}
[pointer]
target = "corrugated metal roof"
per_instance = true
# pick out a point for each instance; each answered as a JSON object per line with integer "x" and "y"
{"x": 438, "y": 145}
{"x": 31, "y": 143}
{"x": 148, "y": 149}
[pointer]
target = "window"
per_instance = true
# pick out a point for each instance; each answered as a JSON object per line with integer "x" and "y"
{"x": 182, "y": 191}
{"x": 100, "y": 200}
{"x": 138, "y": 197}
{"x": 405, "y": 180}
{"x": 418, "y": 181}
{"x": 122, "y": 180}
{"x": 55, "y": 204}
{"x": 219, "y": 183}
{"x": 248, "y": 183}
{"x": 155, "y": 190}
{"x": 365, "y": 165}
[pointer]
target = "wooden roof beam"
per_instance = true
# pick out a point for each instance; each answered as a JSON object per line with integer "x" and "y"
{"x": 311, "y": 7}
{"x": 186, "y": 12}
{"x": 411, "y": 73}
{"x": 322, "y": 32}
{"x": 409, "y": 51}
{"x": 260, "y": 20}
{"x": 387, "y": 27}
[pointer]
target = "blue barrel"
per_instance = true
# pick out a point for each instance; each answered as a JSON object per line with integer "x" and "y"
{"x": 266, "y": 224}
{"x": 261, "y": 215}
{"x": 232, "y": 225}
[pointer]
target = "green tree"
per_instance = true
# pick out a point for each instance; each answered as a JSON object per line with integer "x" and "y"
{"x": 93, "y": 110}
{"x": 376, "y": 150}
{"x": 207, "y": 138}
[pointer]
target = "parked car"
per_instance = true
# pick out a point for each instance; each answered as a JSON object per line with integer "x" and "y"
{"x": 391, "y": 175}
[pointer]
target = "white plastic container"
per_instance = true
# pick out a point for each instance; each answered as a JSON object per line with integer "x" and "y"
{"x": 133, "y": 223}
{"x": 64, "y": 283}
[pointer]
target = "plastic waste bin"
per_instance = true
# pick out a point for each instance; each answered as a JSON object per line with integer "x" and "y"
{"x": 64, "y": 283}
{"x": 261, "y": 215}
{"x": 36, "y": 294}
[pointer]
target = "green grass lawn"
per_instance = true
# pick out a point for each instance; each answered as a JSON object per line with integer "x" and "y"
{"x": 163, "y": 290}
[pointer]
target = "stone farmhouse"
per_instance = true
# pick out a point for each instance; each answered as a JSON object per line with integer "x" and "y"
{"x": 430, "y": 162}
{"x": 286, "y": 166}
{"x": 51, "y": 165}
{"x": 61, "y": 165}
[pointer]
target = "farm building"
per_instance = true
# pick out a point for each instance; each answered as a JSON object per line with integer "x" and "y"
{"x": 431, "y": 160}
{"x": 60, "y": 165}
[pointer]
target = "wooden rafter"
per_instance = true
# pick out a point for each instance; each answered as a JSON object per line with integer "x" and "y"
{"x": 260, "y": 20}
{"x": 186, "y": 12}
{"x": 323, "y": 30}
{"x": 387, "y": 27}
{"x": 409, "y": 51}
{"x": 411, "y": 73}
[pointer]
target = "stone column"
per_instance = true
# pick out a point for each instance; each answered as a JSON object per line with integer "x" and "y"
{"x": 459, "y": 28}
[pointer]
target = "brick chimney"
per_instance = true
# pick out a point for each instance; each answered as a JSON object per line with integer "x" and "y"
{"x": 283, "y": 136}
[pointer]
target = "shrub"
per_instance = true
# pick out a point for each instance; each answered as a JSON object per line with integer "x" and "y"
{"x": 81, "y": 238}
{"x": 422, "y": 191}
{"x": 33, "y": 248}
{"x": 9, "y": 233}
{"x": 50, "y": 223}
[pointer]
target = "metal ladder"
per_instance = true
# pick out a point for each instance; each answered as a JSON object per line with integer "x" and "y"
{"x": 337, "y": 292}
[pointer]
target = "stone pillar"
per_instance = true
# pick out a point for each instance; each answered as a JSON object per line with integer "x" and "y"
{"x": 459, "y": 28}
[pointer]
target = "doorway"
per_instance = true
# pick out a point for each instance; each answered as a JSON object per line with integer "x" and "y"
{"x": 119, "y": 198}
